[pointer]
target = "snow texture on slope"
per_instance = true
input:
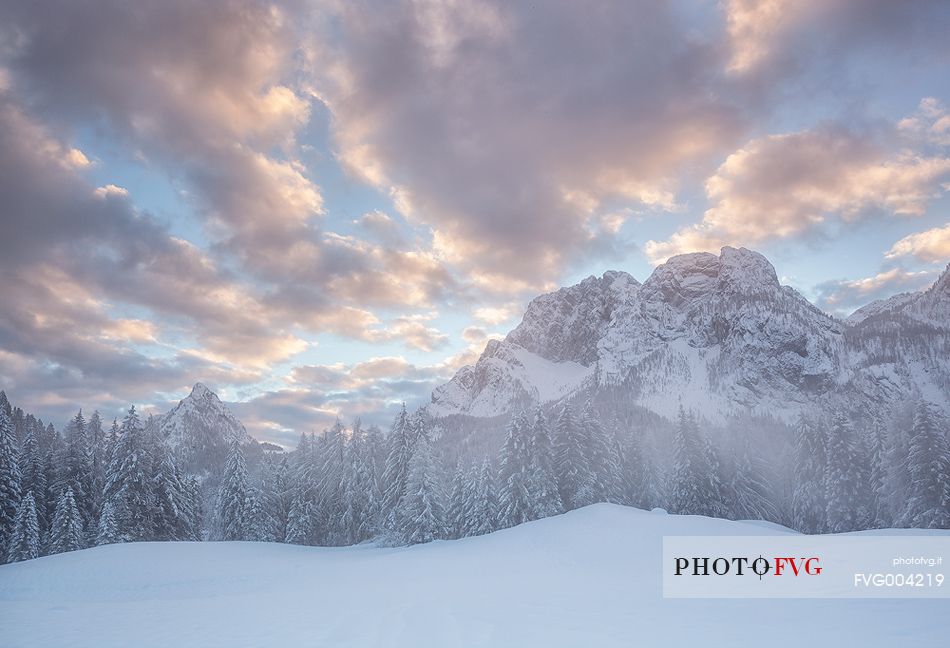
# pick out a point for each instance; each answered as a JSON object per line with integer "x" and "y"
{"x": 588, "y": 578}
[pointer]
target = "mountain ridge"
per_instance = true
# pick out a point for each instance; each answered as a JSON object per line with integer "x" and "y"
{"x": 721, "y": 333}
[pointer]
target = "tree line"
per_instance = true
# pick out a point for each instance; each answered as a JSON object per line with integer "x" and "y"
{"x": 349, "y": 484}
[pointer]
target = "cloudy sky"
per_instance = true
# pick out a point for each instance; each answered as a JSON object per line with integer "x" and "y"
{"x": 324, "y": 208}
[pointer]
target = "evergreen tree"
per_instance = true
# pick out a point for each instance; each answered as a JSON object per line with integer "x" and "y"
{"x": 843, "y": 484}
{"x": 401, "y": 444}
{"x": 98, "y": 461}
{"x": 376, "y": 452}
{"x": 231, "y": 506}
{"x": 360, "y": 493}
{"x": 25, "y": 542}
{"x": 602, "y": 456}
{"x": 128, "y": 482}
{"x": 750, "y": 491}
{"x": 66, "y": 532}
{"x": 193, "y": 508}
{"x": 880, "y": 517}
{"x": 332, "y": 476}
{"x": 488, "y": 507}
{"x": 33, "y": 476}
{"x": 472, "y": 507}
{"x": 576, "y": 481}
{"x": 49, "y": 498}
{"x": 715, "y": 488}
{"x": 420, "y": 514}
{"x": 642, "y": 480}
{"x": 170, "y": 513}
{"x": 304, "y": 492}
{"x": 928, "y": 463}
{"x": 516, "y": 504}
{"x": 108, "y": 528}
{"x": 543, "y": 486}
{"x": 77, "y": 472}
{"x": 10, "y": 487}
{"x": 455, "y": 516}
{"x": 259, "y": 525}
{"x": 299, "y": 521}
{"x": 278, "y": 495}
{"x": 809, "y": 500}
{"x": 690, "y": 470}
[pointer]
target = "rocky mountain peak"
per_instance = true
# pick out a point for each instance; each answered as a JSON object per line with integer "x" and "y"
{"x": 200, "y": 428}
{"x": 734, "y": 271}
{"x": 201, "y": 392}
{"x": 718, "y": 332}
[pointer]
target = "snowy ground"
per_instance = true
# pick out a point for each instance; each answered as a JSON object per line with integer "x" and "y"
{"x": 587, "y": 579}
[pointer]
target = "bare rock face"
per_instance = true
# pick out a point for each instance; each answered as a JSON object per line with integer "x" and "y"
{"x": 716, "y": 333}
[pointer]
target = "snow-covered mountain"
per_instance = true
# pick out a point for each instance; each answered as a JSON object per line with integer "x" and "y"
{"x": 719, "y": 334}
{"x": 200, "y": 428}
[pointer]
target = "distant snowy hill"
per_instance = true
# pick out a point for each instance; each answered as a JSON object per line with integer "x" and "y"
{"x": 587, "y": 578}
{"x": 199, "y": 430}
{"x": 719, "y": 334}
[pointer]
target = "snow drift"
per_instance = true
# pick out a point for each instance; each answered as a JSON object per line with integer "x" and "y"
{"x": 587, "y": 578}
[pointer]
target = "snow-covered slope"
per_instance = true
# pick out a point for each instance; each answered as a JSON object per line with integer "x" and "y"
{"x": 200, "y": 428}
{"x": 587, "y": 578}
{"x": 717, "y": 333}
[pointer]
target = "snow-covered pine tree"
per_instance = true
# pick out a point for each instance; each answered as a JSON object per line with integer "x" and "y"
{"x": 259, "y": 523}
{"x": 304, "y": 469}
{"x": 602, "y": 455}
{"x": 690, "y": 494}
{"x": 928, "y": 464}
{"x": 488, "y": 508}
{"x": 111, "y": 440}
{"x": 194, "y": 512}
{"x": 171, "y": 521}
{"x": 639, "y": 468}
{"x": 751, "y": 495}
{"x": 401, "y": 441}
{"x": 33, "y": 476}
{"x": 49, "y": 497}
{"x": 107, "y": 531}
{"x": 846, "y": 493}
{"x": 543, "y": 486}
{"x": 809, "y": 499}
{"x": 516, "y": 503}
{"x": 299, "y": 521}
{"x": 98, "y": 460}
{"x": 360, "y": 495}
{"x": 455, "y": 515}
{"x": 420, "y": 514}
{"x": 25, "y": 541}
{"x": 881, "y": 517}
{"x": 10, "y": 486}
{"x": 77, "y": 470}
{"x": 128, "y": 483}
{"x": 230, "y": 515}
{"x": 66, "y": 532}
{"x": 472, "y": 507}
{"x": 278, "y": 495}
{"x": 376, "y": 452}
{"x": 572, "y": 463}
{"x": 330, "y": 493}
{"x": 716, "y": 488}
